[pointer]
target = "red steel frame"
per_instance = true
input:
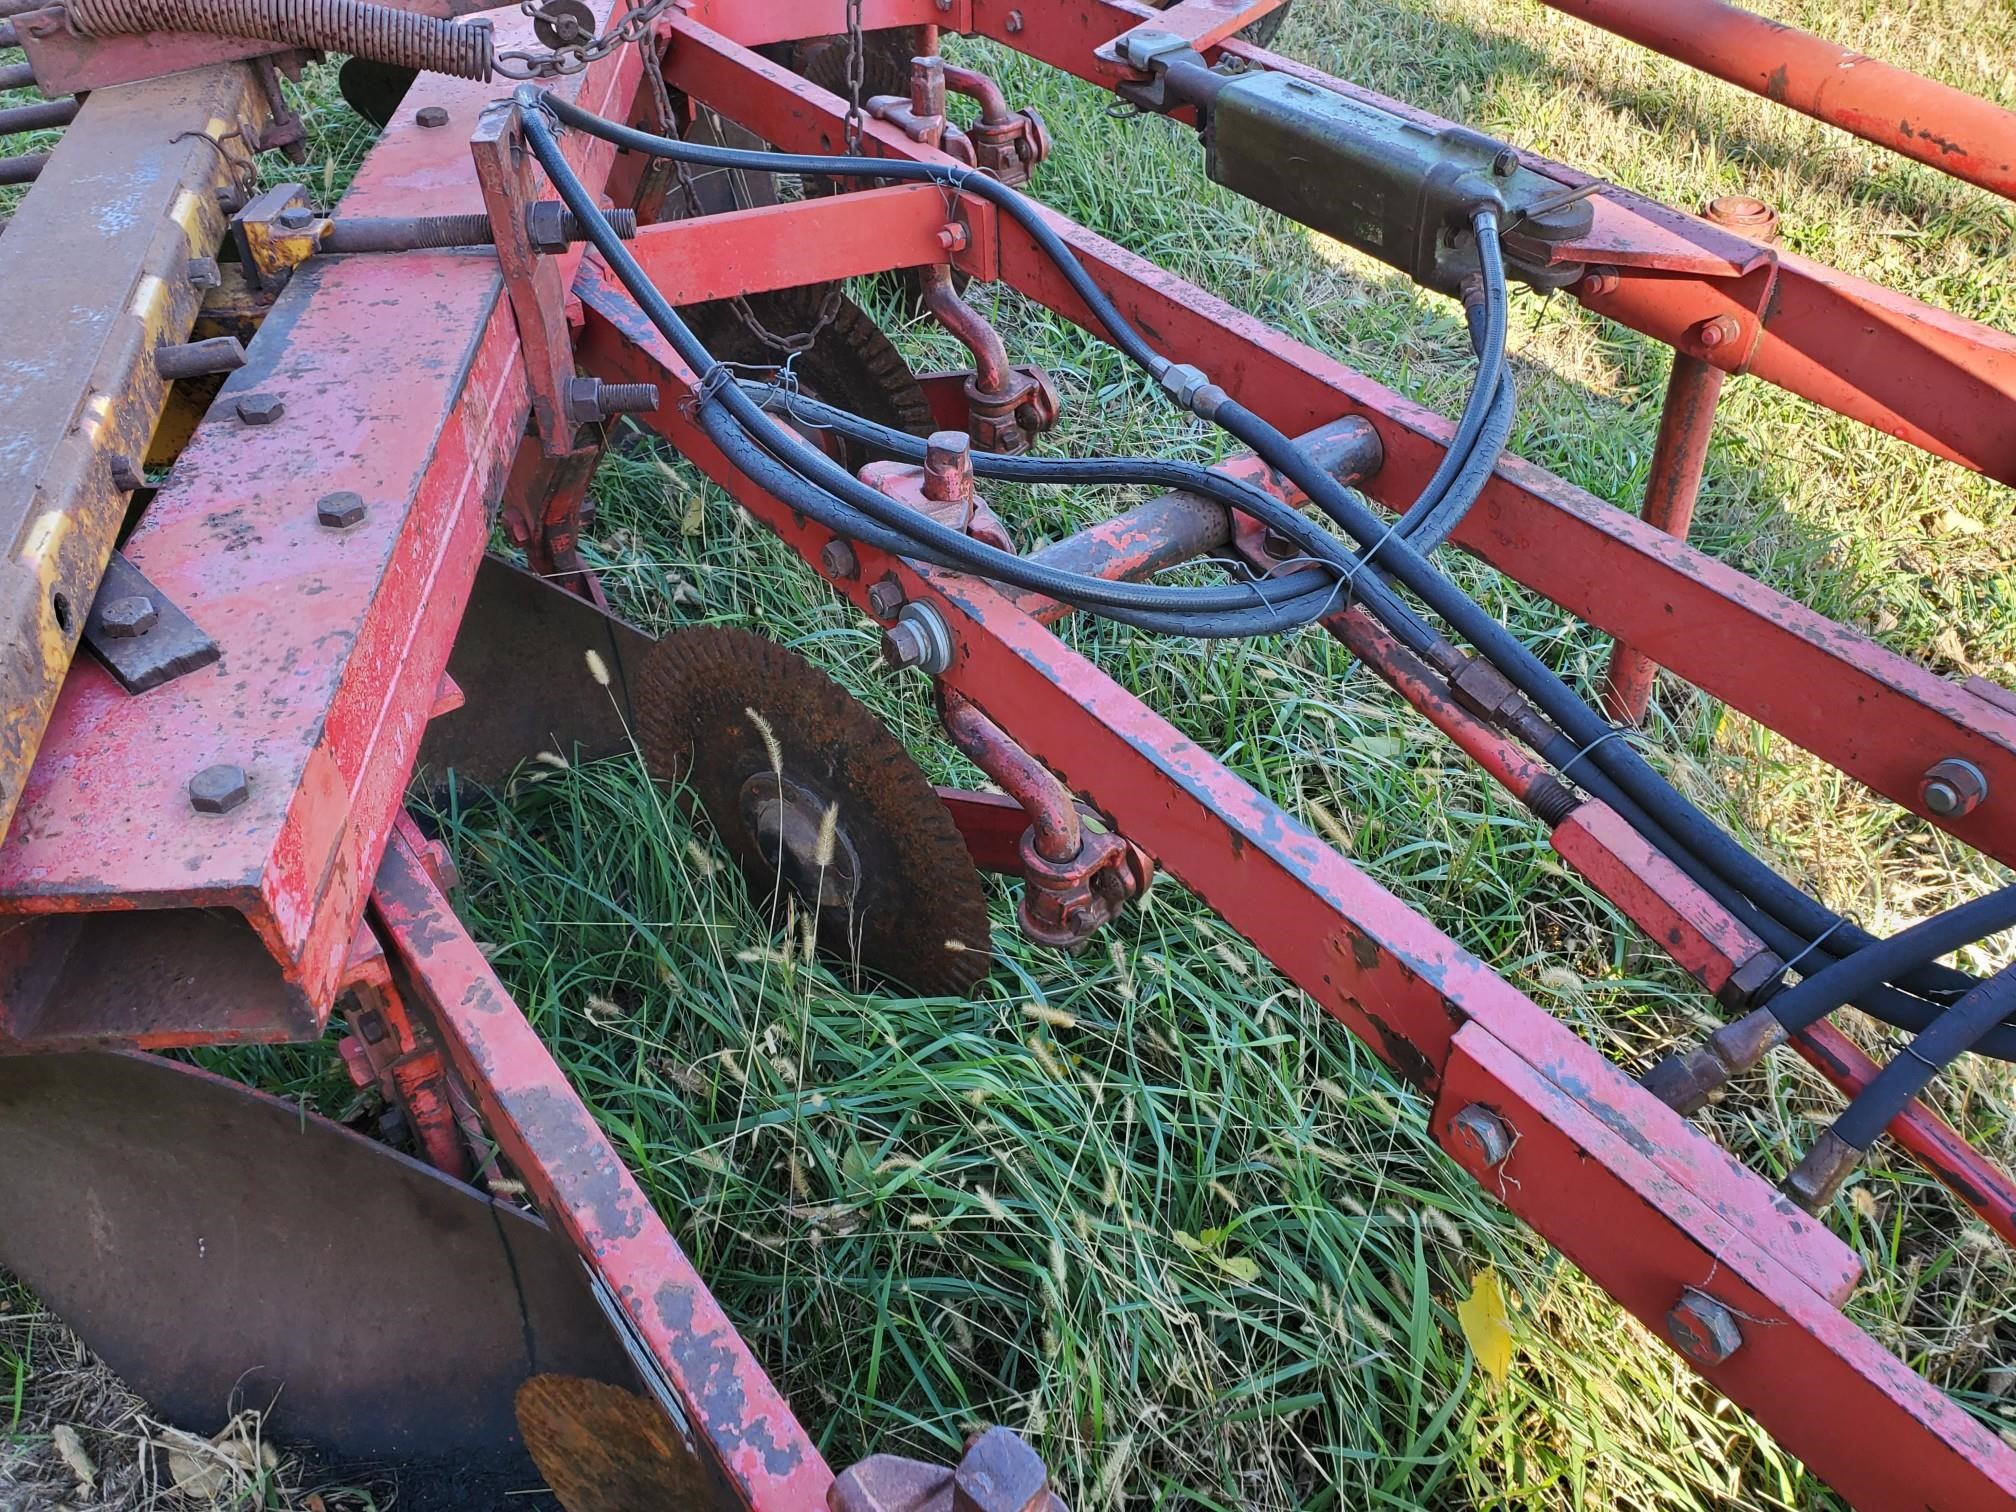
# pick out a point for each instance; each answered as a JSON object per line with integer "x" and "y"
{"x": 335, "y": 648}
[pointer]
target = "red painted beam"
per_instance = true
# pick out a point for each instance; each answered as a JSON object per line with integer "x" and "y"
{"x": 1933, "y": 123}
{"x": 1878, "y": 717}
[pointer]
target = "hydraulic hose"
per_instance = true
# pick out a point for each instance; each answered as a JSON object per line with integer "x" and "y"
{"x": 1963, "y": 1027}
{"x": 1593, "y": 738}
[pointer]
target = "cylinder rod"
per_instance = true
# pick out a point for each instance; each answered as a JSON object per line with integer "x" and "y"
{"x": 41, "y": 116}
{"x": 1936, "y": 124}
{"x": 23, "y": 169}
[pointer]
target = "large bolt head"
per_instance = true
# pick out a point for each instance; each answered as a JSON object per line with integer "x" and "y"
{"x": 1953, "y": 788}
{"x": 340, "y": 510}
{"x": 919, "y": 638}
{"x": 1702, "y": 1329}
{"x": 838, "y": 560}
{"x": 260, "y": 409}
{"x": 1481, "y": 1138}
{"x": 885, "y": 600}
{"x": 431, "y": 116}
{"x": 129, "y": 617}
{"x": 218, "y": 789}
{"x": 1000, "y": 1473}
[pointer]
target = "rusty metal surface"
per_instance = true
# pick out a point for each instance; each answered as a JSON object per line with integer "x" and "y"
{"x": 603, "y": 1449}
{"x": 735, "y": 1416}
{"x": 139, "y": 634}
{"x": 521, "y": 655}
{"x": 760, "y": 737}
{"x": 93, "y": 264}
{"x": 333, "y": 639}
{"x": 241, "y": 1249}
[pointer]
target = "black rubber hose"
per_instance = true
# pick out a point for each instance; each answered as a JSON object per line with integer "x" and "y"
{"x": 1887, "y": 960}
{"x": 1774, "y": 894}
{"x": 1963, "y": 1027}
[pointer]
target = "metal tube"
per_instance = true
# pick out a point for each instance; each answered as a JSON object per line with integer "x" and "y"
{"x": 41, "y": 116}
{"x": 23, "y": 169}
{"x": 9, "y": 37}
{"x": 978, "y": 87}
{"x": 1942, "y": 127}
{"x": 1053, "y": 816}
{"x": 17, "y": 76}
{"x": 1678, "y": 460}
{"x": 990, "y": 353}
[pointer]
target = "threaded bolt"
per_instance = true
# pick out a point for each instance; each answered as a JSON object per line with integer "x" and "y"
{"x": 590, "y": 399}
{"x": 551, "y": 227}
{"x": 194, "y": 359}
{"x": 1953, "y": 788}
{"x": 1721, "y": 330}
{"x": 919, "y": 639}
{"x": 1600, "y": 279}
{"x": 128, "y": 618}
{"x": 885, "y": 600}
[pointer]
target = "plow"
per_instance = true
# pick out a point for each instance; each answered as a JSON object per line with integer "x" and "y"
{"x": 293, "y": 496}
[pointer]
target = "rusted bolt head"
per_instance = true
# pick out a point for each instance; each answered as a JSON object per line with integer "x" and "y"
{"x": 203, "y": 273}
{"x": 431, "y": 115}
{"x": 1000, "y": 1473}
{"x": 1480, "y": 1137}
{"x": 260, "y": 409}
{"x": 297, "y": 217}
{"x": 1600, "y": 279}
{"x": 1721, "y": 330}
{"x": 948, "y": 466}
{"x": 1702, "y": 1329}
{"x": 1505, "y": 164}
{"x": 885, "y": 600}
{"x": 1746, "y": 215}
{"x": 838, "y": 560}
{"x": 340, "y": 510}
{"x": 218, "y": 789}
{"x": 1953, "y": 788}
{"x": 129, "y": 617}
{"x": 920, "y": 639}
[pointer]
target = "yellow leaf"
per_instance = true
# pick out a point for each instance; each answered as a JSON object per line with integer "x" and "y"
{"x": 1486, "y": 1325}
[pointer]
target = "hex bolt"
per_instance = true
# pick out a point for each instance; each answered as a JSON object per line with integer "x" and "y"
{"x": 128, "y": 618}
{"x": 551, "y": 227}
{"x": 885, "y": 600}
{"x": 838, "y": 560}
{"x": 218, "y": 789}
{"x": 1953, "y": 788}
{"x": 296, "y": 217}
{"x": 1720, "y": 330}
{"x": 1505, "y": 164}
{"x": 588, "y": 400}
{"x": 948, "y": 467}
{"x": 126, "y": 474}
{"x": 1000, "y": 1473}
{"x": 203, "y": 273}
{"x": 918, "y": 639}
{"x": 195, "y": 359}
{"x": 431, "y": 116}
{"x": 1600, "y": 279}
{"x": 340, "y": 510}
{"x": 260, "y": 409}
{"x": 1703, "y": 1330}
{"x": 1481, "y": 1137}
{"x": 952, "y": 237}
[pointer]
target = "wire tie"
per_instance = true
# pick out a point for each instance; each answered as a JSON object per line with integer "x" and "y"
{"x": 1813, "y": 945}
{"x": 1615, "y": 732}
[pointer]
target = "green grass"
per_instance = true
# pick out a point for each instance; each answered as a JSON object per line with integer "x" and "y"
{"x": 1146, "y": 1204}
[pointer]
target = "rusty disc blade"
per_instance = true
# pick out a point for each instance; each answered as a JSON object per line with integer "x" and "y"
{"x": 816, "y": 799}
{"x": 220, "y": 1248}
{"x": 604, "y": 1449}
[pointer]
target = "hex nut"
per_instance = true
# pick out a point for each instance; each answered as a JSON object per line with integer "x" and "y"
{"x": 838, "y": 560}
{"x": 885, "y": 600}
{"x": 260, "y": 409}
{"x": 218, "y": 789}
{"x": 1703, "y": 1329}
{"x": 1481, "y": 1136}
{"x": 340, "y": 510}
{"x": 431, "y": 115}
{"x": 920, "y": 639}
{"x": 128, "y": 618}
{"x": 1953, "y": 788}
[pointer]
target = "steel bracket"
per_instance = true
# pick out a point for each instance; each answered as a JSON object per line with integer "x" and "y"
{"x": 139, "y": 633}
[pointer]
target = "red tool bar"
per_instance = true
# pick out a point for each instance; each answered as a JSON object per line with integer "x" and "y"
{"x": 1394, "y": 978}
{"x": 1938, "y": 125}
{"x": 1924, "y": 1135}
{"x": 1878, "y": 717}
{"x": 733, "y": 1411}
{"x": 805, "y": 241}
{"x": 1580, "y": 1173}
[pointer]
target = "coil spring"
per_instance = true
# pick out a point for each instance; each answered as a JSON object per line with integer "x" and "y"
{"x": 377, "y": 32}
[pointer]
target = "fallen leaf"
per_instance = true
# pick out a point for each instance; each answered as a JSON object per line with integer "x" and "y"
{"x": 71, "y": 1448}
{"x": 1487, "y": 1325}
{"x": 1953, "y": 522}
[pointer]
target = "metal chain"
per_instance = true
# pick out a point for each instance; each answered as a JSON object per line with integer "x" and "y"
{"x": 857, "y": 74}
{"x": 573, "y": 57}
{"x": 790, "y": 346}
